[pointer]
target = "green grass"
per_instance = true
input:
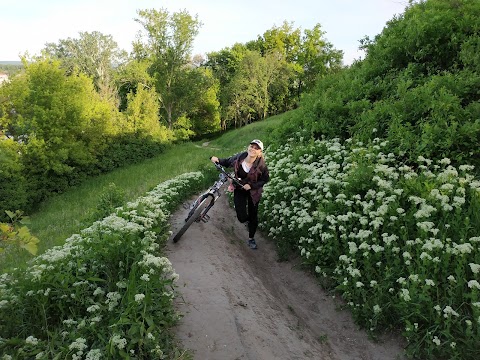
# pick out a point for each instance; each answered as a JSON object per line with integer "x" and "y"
{"x": 63, "y": 215}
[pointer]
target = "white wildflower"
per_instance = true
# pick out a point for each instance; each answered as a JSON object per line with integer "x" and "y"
{"x": 79, "y": 344}
{"x": 405, "y": 294}
{"x": 31, "y": 340}
{"x": 449, "y": 311}
{"x": 474, "y": 267}
{"x": 451, "y": 278}
{"x": 98, "y": 291}
{"x": 118, "y": 341}
{"x": 94, "y": 354}
{"x": 93, "y": 308}
{"x": 474, "y": 284}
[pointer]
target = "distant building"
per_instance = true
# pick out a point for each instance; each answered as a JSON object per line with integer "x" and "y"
{"x": 3, "y": 78}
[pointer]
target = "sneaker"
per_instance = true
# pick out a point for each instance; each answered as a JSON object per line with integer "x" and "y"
{"x": 252, "y": 244}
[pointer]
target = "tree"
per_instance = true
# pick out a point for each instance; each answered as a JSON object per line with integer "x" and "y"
{"x": 142, "y": 113}
{"x": 168, "y": 45}
{"x": 13, "y": 188}
{"x": 224, "y": 65}
{"x": 239, "y": 108}
{"x": 131, "y": 75}
{"x": 205, "y": 113}
{"x": 317, "y": 58}
{"x": 60, "y": 120}
{"x": 285, "y": 40}
{"x": 257, "y": 77}
{"x": 94, "y": 54}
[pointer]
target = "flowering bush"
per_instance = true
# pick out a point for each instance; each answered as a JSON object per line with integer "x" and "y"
{"x": 400, "y": 243}
{"x": 106, "y": 293}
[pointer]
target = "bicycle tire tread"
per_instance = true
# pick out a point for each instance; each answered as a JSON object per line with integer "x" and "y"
{"x": 196, "y": 213}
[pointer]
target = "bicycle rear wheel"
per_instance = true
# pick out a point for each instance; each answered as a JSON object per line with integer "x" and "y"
{"x": 195, "y": 213}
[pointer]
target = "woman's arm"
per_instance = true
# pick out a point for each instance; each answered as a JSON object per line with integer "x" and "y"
{"x": 226, "y": 162}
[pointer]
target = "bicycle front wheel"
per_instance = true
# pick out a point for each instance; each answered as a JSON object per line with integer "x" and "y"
{"x": 195, "y": 214}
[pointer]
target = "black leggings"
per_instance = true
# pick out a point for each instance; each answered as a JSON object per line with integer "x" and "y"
{"x": 246, "y": 210}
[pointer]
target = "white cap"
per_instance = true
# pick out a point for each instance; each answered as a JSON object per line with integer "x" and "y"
{"x": 258, "y": 142}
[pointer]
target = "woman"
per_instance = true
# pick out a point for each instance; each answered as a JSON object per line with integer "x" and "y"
{"x": 251, "y": 170}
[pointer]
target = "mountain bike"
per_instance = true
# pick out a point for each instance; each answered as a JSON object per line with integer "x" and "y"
{"x": 199, "y": 208}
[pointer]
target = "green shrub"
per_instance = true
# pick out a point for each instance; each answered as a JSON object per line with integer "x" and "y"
{"x": 127, "y": 149}
{"x": 417, "y": 87}
{"x": 106, "y": 293}
{"x": 400, "y": 243}
{"x": 111, "y": 198}
{"x": 13, "y": 185}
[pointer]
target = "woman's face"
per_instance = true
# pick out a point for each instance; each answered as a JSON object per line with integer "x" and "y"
{"x": 254, "y": 150}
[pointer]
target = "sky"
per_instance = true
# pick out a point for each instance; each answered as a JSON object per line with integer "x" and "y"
{"x": 26, "y": 25}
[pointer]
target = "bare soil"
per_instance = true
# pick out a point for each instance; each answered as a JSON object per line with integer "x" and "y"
{"x": 240, "y": 303}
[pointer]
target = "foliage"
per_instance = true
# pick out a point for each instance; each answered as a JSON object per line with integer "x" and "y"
{"x": 268, "y": 76}
{"x": 141, "y": 115}
{"x": 400, "y": 243}
{"x": 129, "y": 76}
{"x": 60, "y": 131}
{"x": 15, "y": 232}
{"x": 128, "y": 149}
{"x": 105, "y": 293}
{"x": 183, "y": 128}
{"x": 416, "y": 87}
{"x": 61, "y": 122}
{"x": 94, "y": 54}
{"x": 111, "y": 198}
{"x": 11, "y": 69}
{"x": 13, "y": 184}
{"x": 203, "y": 107}
{"x": 168, "y": 44}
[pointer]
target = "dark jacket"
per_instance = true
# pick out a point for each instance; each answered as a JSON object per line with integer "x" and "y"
{"x": 256, "y": 177}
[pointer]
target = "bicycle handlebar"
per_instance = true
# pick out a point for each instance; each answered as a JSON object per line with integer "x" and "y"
{"x": 222, "y": 170}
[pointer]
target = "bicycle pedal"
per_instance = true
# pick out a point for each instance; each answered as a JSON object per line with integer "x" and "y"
{"x": 205, "y": 218}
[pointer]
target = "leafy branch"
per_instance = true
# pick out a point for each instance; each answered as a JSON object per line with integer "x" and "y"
{"x": 17, "y": 233}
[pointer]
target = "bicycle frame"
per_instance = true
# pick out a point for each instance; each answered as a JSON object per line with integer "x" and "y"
{"x": 200, "y": 207}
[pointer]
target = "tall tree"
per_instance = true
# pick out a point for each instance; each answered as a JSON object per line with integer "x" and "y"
{"x": 284, "y": 39}
{"x": 131, "y": 75}
{"x": 94, "y": 54}
{"x": 168, "y": 44}
{"x": 224, "y": 65}
{"x": 141, "y": 114}
{"x": 317, "y": 58}
{"x": 205, "y": 106}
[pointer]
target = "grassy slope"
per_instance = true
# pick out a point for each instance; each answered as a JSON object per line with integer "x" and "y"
{"x": 62, "y": 215}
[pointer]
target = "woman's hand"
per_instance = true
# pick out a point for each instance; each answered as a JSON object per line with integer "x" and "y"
{"x": 247, "y": 187}
{"x": 214, "y": 159}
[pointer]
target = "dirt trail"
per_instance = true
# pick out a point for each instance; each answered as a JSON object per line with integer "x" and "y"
{"x": 244, "y": 304}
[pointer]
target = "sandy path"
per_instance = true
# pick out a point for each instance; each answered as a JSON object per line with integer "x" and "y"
{"x": 244, "y": 304}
